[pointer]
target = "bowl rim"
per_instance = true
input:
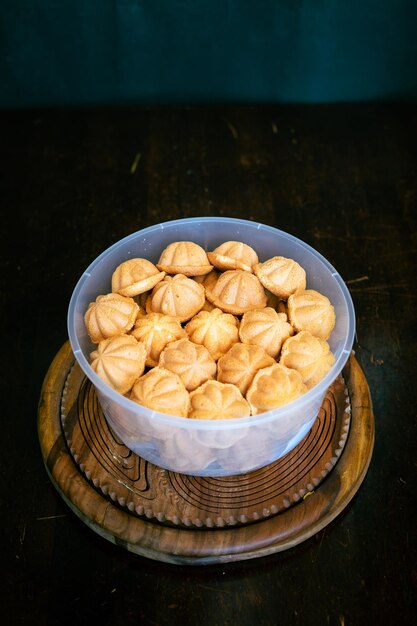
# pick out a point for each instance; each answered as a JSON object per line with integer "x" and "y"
{"x": 205, "y": 424}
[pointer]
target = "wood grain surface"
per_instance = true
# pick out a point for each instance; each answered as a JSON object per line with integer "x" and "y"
{"x": 254, "y": 510}
{"x": 145, "y": 490}
{"x": 341, "y": 178}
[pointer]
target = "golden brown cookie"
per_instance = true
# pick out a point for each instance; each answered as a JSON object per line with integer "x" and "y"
{"x": 215, "y": 330}
{"x": 273, "y": 387}
{"x": 184, "y": 257}
{"x": 233, "y": 255}
{"x": 265, "y": 328}
{"x": 178, "y": 296}
{"x": 312, "y": 311}
{"x": 236, "y": 292}
{"x": 119, "y": 361}
{"x": 217, "y": 401}
{"x": 110, "y": 315}
{"x": 155, "y": 331}
{"x": 280, "y": 275}
{"x": 191, "y": 361}
{"x": 208, "y": 281}
{"x": 240, "y": 364}
{"x": 309, "y": 355}
{"x": 163, "y": 391}
{"x": 134, "y": 277}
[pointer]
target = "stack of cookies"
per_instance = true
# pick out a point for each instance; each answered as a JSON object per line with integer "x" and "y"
{"x": 211, "y": 335}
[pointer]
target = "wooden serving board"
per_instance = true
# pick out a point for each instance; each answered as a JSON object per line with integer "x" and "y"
{"x": 197, "y": 520}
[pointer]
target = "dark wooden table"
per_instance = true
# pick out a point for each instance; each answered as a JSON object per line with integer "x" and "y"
{"x": 344, "y": 179}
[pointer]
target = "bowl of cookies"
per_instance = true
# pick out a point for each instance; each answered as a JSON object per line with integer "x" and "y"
{"x": 211, "y": 342}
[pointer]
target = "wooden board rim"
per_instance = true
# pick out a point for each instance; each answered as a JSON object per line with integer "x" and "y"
{"x": 189, "y": 546}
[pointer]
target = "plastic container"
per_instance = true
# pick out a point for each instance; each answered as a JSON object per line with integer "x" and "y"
{"x": 205, "y": 447}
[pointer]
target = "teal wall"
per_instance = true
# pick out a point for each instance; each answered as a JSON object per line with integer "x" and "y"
{"x": 72, "y": 52}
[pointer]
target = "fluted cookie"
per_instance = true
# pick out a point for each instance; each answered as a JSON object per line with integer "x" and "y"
{"x": 215, "y": 330}
{"x": 236, "y": 292}
{"x": 119, "y": 361}
{"x": 240, "y": 364}
{"x": 217, "y": 401}
{"x": 155, "y": 331}
{"x": 309, "y": 355}
{"x": 281, "y": 276}
{"x": 178, "y": 296}
{"x": 273, "y": 387}
{"x": 135, "y": 276}
{"x": 191, "y": 361}
{"x": 233, "y": 255}
{"x": 110, "y": 315}
{"x": 163, "y": 391}
{"x": 312, "y": 311}
{"x": 184, "y": 257}
{"x": 265, "y": 328}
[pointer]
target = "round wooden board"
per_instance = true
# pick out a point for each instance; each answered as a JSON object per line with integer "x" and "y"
{"x": 194, "y": 520}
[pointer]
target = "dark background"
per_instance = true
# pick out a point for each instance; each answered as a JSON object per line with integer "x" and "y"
{"x": 119, "y": 115}
{"x": 128, "y": 51}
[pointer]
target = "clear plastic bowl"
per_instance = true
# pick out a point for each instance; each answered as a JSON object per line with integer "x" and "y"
{"x": 205, "y": 447}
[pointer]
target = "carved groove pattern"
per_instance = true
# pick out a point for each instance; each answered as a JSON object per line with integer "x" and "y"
{"x": 190, "y": 501}
{"x": 268, "y": 482}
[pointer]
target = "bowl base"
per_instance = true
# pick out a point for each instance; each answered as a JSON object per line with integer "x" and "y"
{"x": 180, "y": 518}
